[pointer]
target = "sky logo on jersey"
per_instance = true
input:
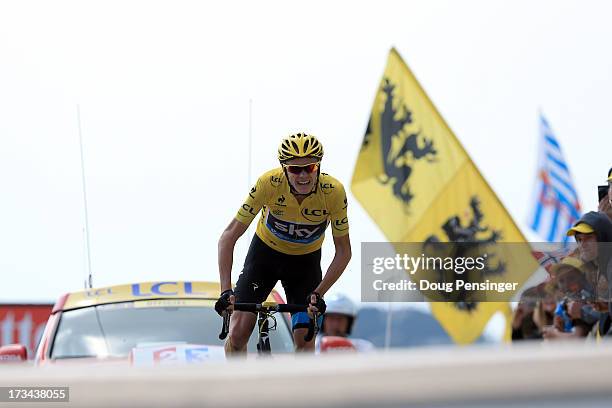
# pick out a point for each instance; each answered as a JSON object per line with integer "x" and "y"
{"x": 293, "y": 232}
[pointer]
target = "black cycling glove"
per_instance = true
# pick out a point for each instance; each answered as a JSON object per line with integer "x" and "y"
{"x": 319, "y": 304}
{"x": 223, "y": 302}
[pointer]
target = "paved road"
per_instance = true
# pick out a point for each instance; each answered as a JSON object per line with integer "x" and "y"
{"x": 547, "y": 375}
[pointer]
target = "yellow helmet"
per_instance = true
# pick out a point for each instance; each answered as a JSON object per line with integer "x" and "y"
{"x": 300, "y": 145}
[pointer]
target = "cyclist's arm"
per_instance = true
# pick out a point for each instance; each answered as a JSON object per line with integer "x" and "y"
{"x": 340, "y": 232}
{"x": 228, "y": 239}
{"x": 246, "y": 213}
{"x": 341, "y": 260}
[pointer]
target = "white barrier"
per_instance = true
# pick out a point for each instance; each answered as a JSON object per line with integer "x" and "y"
{"x": 520, "y": 375}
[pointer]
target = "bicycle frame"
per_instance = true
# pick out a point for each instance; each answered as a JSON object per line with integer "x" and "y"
{"x": 265, "y": 312}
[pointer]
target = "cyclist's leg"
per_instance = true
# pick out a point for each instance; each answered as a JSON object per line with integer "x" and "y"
{"x": 254, "y": 285}
{"x": 301, "y": 275}
{"x": 241, "y": 326}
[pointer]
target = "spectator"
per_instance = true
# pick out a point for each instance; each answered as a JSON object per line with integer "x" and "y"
{"x": 338, "y": 322}
{"x": 573, "y": 290}
{"x": 593, "y": 233}
{"x": 544, "y": 312}
{"x": 523, "y": 326}
{"x": 605, "y": 205}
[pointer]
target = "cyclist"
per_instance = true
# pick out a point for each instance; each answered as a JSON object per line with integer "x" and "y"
{"x": 338, "y": 322}
{"x": 298, "y": 202}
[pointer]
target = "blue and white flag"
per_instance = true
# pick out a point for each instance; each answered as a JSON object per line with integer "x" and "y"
{"x": 556, "y": 205}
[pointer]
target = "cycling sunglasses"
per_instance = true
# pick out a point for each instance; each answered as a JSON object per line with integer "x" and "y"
{"x": 298, "y": 168}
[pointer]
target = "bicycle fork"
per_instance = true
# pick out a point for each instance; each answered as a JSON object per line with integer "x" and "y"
{"x": 263, "y": 344}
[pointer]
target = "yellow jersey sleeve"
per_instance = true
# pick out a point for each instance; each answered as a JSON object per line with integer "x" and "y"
{"x": 253, "y": 203}
{"x": 338, "y": 212}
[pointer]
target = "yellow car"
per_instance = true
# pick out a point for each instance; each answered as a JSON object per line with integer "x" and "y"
{"x": 146, "y": 323}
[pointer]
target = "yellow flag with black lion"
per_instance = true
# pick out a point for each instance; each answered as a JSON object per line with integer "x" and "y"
{"x": 418, "y": 184}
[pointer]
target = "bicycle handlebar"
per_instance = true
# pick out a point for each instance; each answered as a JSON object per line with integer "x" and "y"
{"x": 313, "y": 326}
{"x": 258, "y": 307}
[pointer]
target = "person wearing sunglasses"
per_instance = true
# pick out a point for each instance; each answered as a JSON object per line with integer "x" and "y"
{"x": 297, "y": 203}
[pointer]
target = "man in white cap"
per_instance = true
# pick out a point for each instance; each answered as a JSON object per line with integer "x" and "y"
{"x": 337, "y": 326}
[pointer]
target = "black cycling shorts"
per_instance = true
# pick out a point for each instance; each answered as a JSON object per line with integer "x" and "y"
{"x": 264, "y": 266}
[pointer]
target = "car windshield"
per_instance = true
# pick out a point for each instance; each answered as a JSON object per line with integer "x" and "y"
{"x": 113, "y": 330}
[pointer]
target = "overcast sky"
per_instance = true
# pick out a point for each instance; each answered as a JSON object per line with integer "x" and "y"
{"x": 164, "y": 90}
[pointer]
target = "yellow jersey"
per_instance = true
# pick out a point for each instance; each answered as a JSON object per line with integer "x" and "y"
{"x": 290, "y": 227}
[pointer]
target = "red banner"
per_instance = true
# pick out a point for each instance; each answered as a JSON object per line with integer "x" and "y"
{"x": 23, "y": 324}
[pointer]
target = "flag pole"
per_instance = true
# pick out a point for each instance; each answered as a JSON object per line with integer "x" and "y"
{"x": 388, "y": 326}
{"x": 88, "y": 280}
{"x": 250, "y": 141}
{"x": 249, "y": 170}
